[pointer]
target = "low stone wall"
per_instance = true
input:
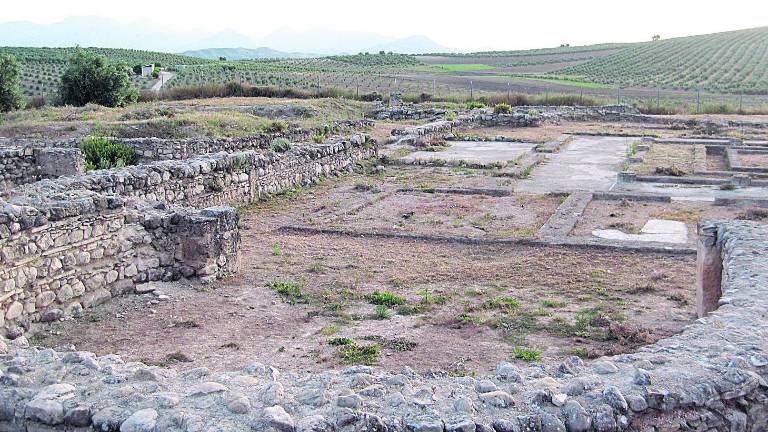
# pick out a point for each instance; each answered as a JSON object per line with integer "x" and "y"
{"x": 712, "y": 376}
{"x": 63, "y": 252}
{"x": 220, "y": 178}
{"x": 154, "y": 149}
{"x": 73, "y": 242}
{"x": 22, "y": 165}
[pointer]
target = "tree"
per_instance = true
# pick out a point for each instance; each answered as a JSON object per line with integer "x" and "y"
{"x": 92, "y": 79}
{"x": 10, "y": 84}
{"x": 655, "y": 38}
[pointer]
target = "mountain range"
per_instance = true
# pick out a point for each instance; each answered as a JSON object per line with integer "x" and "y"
{"x": 104, "y": 32}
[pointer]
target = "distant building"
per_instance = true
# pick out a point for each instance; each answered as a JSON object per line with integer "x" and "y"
{"x": 146, "y": 70}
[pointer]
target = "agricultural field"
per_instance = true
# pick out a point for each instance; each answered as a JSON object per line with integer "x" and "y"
{"x": 42, "y": 67}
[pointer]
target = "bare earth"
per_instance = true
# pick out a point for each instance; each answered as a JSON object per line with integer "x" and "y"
{"x": 468, "y": 306}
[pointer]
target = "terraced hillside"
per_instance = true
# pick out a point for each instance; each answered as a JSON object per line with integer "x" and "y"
{"x": 42, "y": 67}
{"x": 729, "y": 62}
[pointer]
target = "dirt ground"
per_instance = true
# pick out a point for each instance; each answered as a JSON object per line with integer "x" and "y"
{"x": 754, "y": 159}
{"x": 666, "y": 157}
{"x": 630, "y": 216}
{"x": 298, "y": 294}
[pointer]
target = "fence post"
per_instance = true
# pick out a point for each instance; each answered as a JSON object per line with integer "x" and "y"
{"x": 471, "y": 91}
{"x": 581, "y": 97}
{"x": 741, "y": 100}
{"x": 618, "y": 95}
{"x": 698, "y": 101}
{"x": 658, "y": 97}
{"x": 509, "y": 100}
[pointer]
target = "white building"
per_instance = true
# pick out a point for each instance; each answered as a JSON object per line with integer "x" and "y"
{"x": 146, "y": 70}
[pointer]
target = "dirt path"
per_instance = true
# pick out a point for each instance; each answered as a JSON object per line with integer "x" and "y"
{"x": 162, "y": 80}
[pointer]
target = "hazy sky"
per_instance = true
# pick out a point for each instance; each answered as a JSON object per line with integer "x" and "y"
{"x": 488, "y": 24}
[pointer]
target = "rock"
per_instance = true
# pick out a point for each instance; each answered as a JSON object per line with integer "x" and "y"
{"x": 140, "y": 421}
{"x": 637, "y": 403}
{"x": 559, "y": 399}
{"x": 642, "y": 377}
{"x": 507, "y": 372}
{"x": 238, "y": 404}
{"x": 499, "y": 399}
{"x": 279, "y": 419}
{"x": 273, "y": 393}
{"x": 550, "y": 423}
{"x": 315, "y": 397}
{"x": 51, "y": 315}
{"x": 615, "y": 399}
{"x": 206, "y": 388}
{"x": 109, "y": 419}
{"x": 529, "y": 423}
{"x": 464, "y": 405}
{"x": 501, "y": 425}
{"x": 46, "y": 411}
{"x": 485, "y": 386}
{"x": 605, "y": 367}
{"x": 79, "y": 416}
{"x": 315, "y": 423}
{"x": 603, "y": 420}
{"x": 349, "y": 400}
{"x": 576, "y": 418}
{"x": 56, "y": 391}
{"x": 425, "y": 424}
{"x": 460, "y": 425}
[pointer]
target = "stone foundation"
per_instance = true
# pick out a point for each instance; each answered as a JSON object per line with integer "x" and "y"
{"x": 22, "y": 165}
{"x": 710, "y": 377}
{"x": 73, "y": 242}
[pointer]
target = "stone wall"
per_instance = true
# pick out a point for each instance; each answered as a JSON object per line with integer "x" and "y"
{"x": 22, "y": 165}
{"x": 154, "y": 149}
{"x": 220, "y": 178}
{"x": 63, "y": 252}
{"x": 75, "y": 241}
{"x": 710, "y": 377}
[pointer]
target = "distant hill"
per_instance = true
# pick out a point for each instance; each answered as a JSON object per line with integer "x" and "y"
{"x": 244, "y": 53}
{"x": 108, "y": 33}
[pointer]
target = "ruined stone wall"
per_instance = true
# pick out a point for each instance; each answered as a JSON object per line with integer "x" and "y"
{"x": 710, "y": 377}
{"x": 75, "y": 241}
{"x": 62, "y": 253}
{"x": 154, "y": 149}
{"x": 221, "y": 178}
{"x": 22, "y": 165}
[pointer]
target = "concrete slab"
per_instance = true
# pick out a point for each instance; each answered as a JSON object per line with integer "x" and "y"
{"x": 588, "y": 163}
{"x": 655, "y": 230}
{"x": 476, "y": 152}
{"x": 692, "y": 192}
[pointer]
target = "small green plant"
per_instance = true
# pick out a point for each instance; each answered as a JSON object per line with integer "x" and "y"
{"x": 385, "y": 298}
{"x": 466, "y": 318}
{"x": 527, "y": 354}
{"x": 502, "y": 108}
{"x": 450, "y": 115}
{"x": 277, "y": 250}
{"x": 280, "y": 145}
{"x": 101, "y": 153}
{"x": 632, "y": 149}
{"x": 318, "y": 138}
{"x": 552, "y": 304}
{"x": 291, "y": 290}
{"x": 340, "y": 341}
{"x": 475, "y": 104}
{"x": 382, "y": 312}
{"x": 502, "y": 302}
{"x": 353, "y": 354}
{"x": 274, "y": 126}
{"x": 214, "y": 185}
{"x": 533, "y": 113}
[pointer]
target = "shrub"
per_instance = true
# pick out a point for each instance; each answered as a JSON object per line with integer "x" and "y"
{"x": 527, "y": 354}
{"x": 450, "y": 115}
{"x": 354, "y": 354}
{"x": 92, "y": 79}
{"x": 280, "y": 145}
{"x": 382, "y": 312}
{"x": 502, "y": 108}
{"x": 475, "y": 104}
{"x": 100, "y": 153}
{"x": 10, "y": 85}
{"x": 385, "y": 298}
{"x": 318, "y": 138}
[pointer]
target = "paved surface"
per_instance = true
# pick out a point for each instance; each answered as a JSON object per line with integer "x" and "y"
{"x": 478, "y": 152}
{"x": 162, "y": 80}
{"x": 692, "y": 192}
{"x": 655, "y": 230}
{"x": 586, "y": 164}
